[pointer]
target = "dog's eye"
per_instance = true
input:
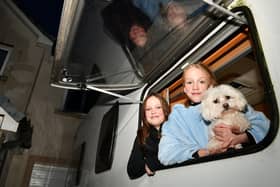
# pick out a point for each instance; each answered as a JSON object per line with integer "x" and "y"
{"x": 215, "y": 101}
{"x": 227, "y": 97}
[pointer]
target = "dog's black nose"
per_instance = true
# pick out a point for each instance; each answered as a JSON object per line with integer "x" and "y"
{"x": 226, "y": 106}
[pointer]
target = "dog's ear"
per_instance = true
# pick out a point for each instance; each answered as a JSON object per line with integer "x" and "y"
{"x": 206, "y": 112}
{"x": 241, "y": 102}
{"x": 205, "y": 107}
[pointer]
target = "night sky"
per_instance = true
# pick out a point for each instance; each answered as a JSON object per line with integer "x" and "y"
{"x": 45, "y": 14}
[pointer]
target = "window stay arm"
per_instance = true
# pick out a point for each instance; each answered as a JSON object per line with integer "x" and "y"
{"x": 90, "y": 87}
{"x": 226, "y": 11}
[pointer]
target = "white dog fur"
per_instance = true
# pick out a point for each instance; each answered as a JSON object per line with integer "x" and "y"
{"x": 224, "y": 104}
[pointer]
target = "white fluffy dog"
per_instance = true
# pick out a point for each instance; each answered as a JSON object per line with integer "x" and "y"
{"x": 224, "y": 104}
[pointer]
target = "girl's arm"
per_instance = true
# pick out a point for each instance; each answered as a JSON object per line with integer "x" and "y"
{"x": 182, "y": 135}
{"x": 136, "y": 162}
{"x": 259, "y": 128}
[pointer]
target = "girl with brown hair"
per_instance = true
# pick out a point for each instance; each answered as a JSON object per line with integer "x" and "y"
{"x": 144, "y": 156}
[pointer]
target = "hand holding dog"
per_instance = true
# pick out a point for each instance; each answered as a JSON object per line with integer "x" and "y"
{"x": 229, "y": 135}
{"x": 224, "y": 134}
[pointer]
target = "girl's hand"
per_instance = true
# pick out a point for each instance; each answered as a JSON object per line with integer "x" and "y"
{"x": 224, "y": 134}
{"x": 148, "y": 171}
{"x": 229, "y": 135}
{"x": 234, "y": 128}
{"x": 207, "y": 152}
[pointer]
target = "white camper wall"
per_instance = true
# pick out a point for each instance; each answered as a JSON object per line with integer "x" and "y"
{"x": 268, "y": 25}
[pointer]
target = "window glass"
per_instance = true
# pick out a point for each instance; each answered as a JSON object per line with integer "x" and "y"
{"x": 167, "y": 32}
{"x": 122, "y": 44}
{"x": 152, "y": 31}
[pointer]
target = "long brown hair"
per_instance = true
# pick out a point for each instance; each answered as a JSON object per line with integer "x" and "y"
{"x": 144, "y": 130}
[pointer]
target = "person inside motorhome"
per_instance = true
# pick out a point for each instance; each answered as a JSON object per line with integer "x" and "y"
{"x": 144, "y": 155}
{"x": 185, "y": 134}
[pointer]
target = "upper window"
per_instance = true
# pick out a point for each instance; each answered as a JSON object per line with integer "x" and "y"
{"x": 121, "y": 44}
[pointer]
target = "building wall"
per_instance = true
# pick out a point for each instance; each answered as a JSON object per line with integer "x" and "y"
{"x": 26, "y": 84}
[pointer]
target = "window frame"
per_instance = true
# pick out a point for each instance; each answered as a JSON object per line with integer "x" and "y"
{"x": 175, "y": 75}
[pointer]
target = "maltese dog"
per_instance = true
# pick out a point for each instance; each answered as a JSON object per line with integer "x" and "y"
{"x": 224, "y": 104}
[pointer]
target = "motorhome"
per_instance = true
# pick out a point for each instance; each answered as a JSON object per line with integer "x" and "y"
{"x": 237, "y": 40}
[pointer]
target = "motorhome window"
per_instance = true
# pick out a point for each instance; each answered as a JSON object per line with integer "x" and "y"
{"x": 152, "y": 38}
{"x": 106, "y": 142}
{"x": 239, "y": 62}
{"x": 103, "y": 44}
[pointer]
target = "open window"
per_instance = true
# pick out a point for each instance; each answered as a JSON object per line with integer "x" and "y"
{"x": 237, "y": 60}
{"x": 94, "y": 47}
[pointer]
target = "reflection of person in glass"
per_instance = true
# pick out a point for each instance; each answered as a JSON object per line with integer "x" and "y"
{"x": 150, "y": 7}
{"x": 126, "y": 24}
{"x": 175, "y": 13}
{"x": 138, "y": 35}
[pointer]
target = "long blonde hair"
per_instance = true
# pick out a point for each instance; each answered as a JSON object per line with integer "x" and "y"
{"x": 212, "y": 77}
